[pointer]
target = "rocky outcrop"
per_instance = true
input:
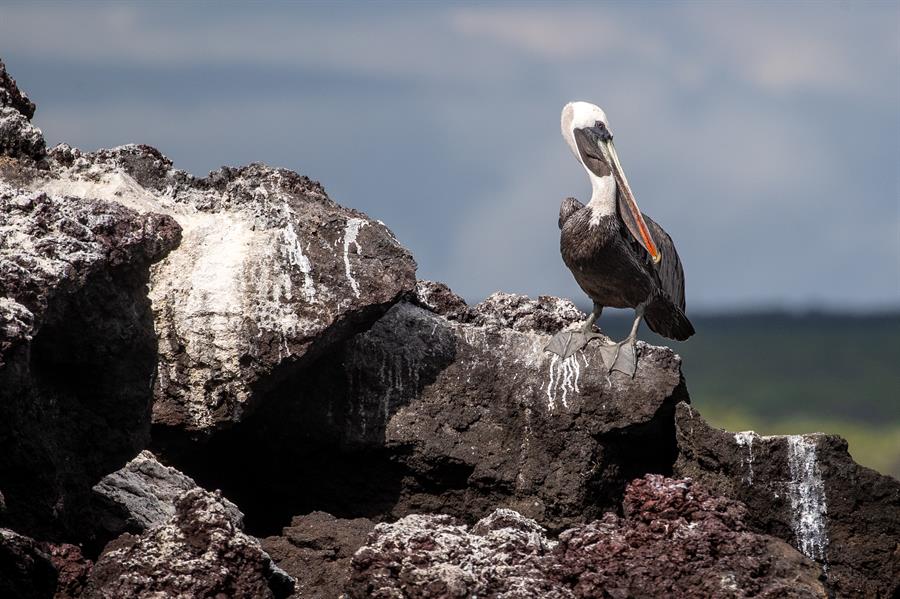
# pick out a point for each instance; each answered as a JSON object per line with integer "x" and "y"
{"x": 199, "y": 552}
{"x": 77, "y": 348}
{"x": 422, "y": 556}
{"x": 294, "y": 362}
{"x": 421, "y": 414}
{"x": 674, "y": 540}
{"x": 142, "y": 495}
{"x": 270, "y": 274}
{"x": 18, "y": 137}
{"x": 26, "y": 571}
{"x": 807, "y": 490}
{"x": 316, "y": 550}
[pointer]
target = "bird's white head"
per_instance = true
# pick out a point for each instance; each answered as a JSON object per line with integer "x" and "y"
{"x": 586, "y": 130}
{"x": 579, "y": 115}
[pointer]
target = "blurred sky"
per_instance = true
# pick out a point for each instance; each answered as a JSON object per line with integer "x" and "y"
{"x": 764, "y": 137}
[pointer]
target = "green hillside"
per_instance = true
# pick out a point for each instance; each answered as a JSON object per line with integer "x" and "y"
{"x": 778, "y": 373}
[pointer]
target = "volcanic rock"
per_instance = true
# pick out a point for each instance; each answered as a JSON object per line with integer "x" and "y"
{"x": 18, "y": 137}
{"x": 142, "y": 495}
{"x": 12, "y": 96}
{"x": 807, "y": 490}
{"x": 199, "y": 552}
{"x": 77, "y": 348}
{"x": 422, "y": 414}
{"x": 440, "y": 299}
{"x": 316, "y": 550}
{"x": 26, "y": 572}
{"x": 675, "y": 540}
{"x": 424, "y": 556}
{"x": 271, "y": 273}
{"x": 72, "y": 569}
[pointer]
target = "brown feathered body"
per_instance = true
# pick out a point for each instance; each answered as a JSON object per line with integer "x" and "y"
{"x": 615, "y": 271}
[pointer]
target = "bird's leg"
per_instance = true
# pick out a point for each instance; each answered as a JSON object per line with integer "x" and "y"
{"x": 623, "y": 356}
{"x": 566, "y": 343}
{"x": 591, "y": 319}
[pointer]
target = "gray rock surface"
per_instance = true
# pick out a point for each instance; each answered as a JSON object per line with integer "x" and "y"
{"x": 425, "y": 414}
{"x": 199, "y": 552}
{"x": 807, "y": 490}
{"x": 271, "y": 272}
{"x": 73, "y": 276}
{"x": 142, "y": 495}
{"x": 674, "y": 540}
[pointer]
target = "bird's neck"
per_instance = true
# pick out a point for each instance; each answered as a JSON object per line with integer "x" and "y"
{"x": 603, "y": 197}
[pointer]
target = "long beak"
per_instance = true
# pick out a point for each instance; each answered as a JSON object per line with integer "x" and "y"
{"x": 635, "y": 223}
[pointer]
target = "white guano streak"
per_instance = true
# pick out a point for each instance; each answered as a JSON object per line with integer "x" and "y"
{"x": 296, "y": 258}
{"x": 745, "y": 439}
{"x": 807, "y": 494}
{"x": 351, "y": 230}
{"x": 563, "y": 380}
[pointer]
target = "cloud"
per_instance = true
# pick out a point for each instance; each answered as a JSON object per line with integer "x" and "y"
{"x": 763, "y": 137}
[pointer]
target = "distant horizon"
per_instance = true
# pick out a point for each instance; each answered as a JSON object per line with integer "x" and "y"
{"x": 797, "y": 311}
{"x": 763, "y": 137}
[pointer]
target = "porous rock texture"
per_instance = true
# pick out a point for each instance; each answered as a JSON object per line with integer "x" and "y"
{"x": 270, "y": 272}
{"x": 72, "y": 569}
{"x": 316, "y": 550}
{"x": 199, "y": 552}
{"x": 422, "y": 414}
{"x": 141, "y": 495}
{"x": 807, "y": 490}
{"x": 77, "y": 348}
{"x": 435, "y": 556}
{"x": 674, "y": 540}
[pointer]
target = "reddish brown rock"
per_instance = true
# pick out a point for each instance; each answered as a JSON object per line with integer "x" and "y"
{"x": 72, "y": 569}
{"x": 316, "y": 550}
{"x": 807, "y": 490}
{"x": 674, "y": 540}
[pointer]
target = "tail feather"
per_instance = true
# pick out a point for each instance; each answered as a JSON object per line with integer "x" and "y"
{"x": 668, "y": 320}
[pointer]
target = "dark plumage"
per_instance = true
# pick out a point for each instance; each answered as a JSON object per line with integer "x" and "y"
{"x": 614, "y": 270}
{"x": 618, "y": 255}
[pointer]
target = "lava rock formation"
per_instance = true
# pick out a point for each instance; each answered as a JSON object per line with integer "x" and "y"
{"x": 232, "y": 386}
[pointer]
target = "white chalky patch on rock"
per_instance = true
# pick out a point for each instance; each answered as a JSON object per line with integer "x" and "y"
{"x": 112, "y": 187}
{"x": 212, "y": 304}
{"x": 351, "y": 231}
{"x": 806, "y": 491}
{"x": 745, "y": 439}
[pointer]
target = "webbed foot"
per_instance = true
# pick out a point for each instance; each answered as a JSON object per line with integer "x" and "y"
{"x": 566, "y": 343}
{"x": 620, "y": 356}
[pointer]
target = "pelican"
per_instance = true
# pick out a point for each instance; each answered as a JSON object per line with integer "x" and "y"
{"x": 619, "y": 257}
